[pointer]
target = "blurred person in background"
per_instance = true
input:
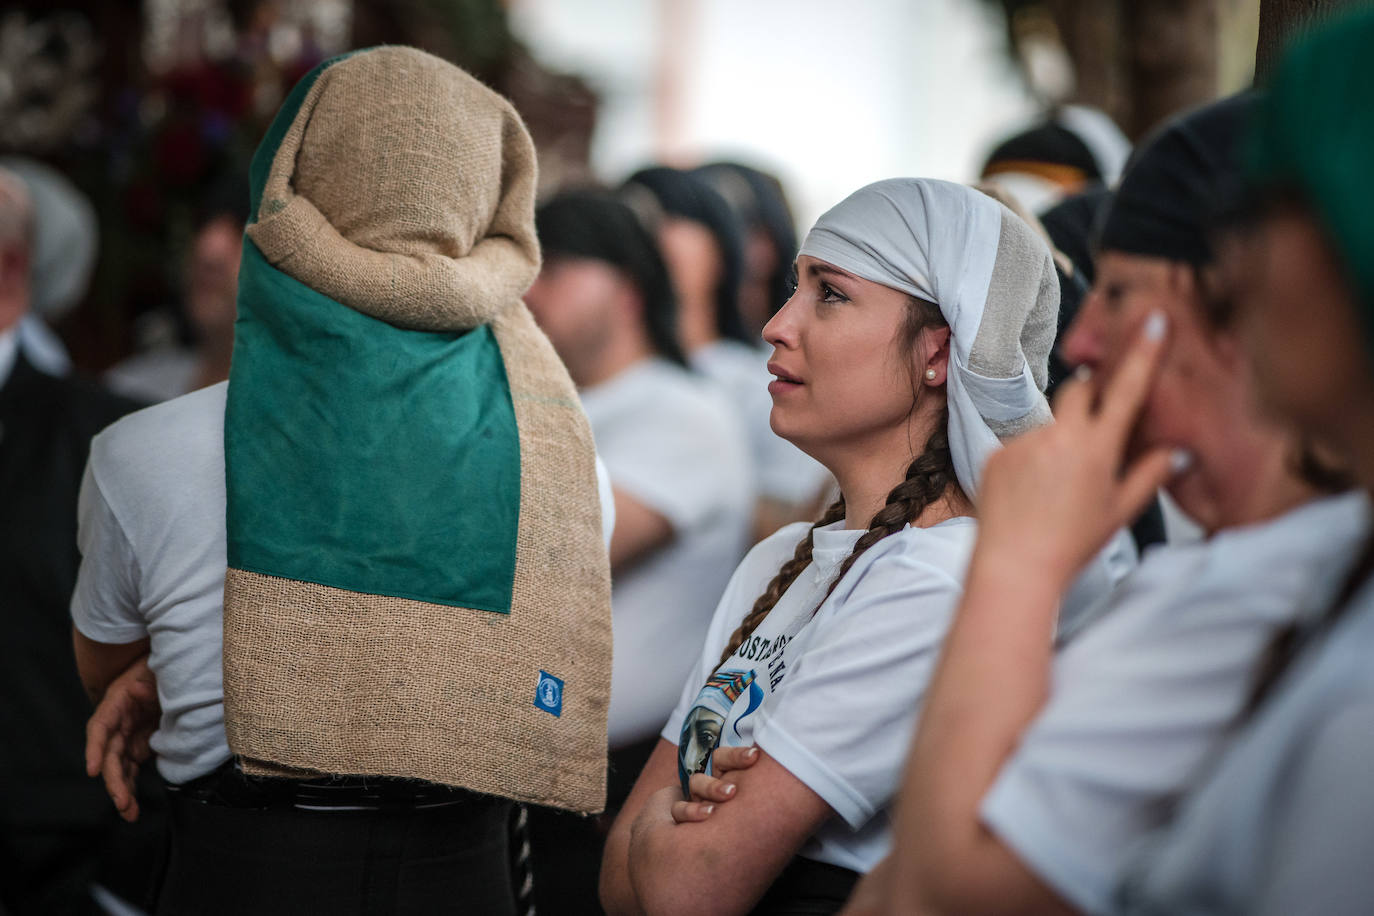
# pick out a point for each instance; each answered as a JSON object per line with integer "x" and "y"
{"x": 1034, "y": 774}
{"x": 1284, "y": 820}
{"x": 770, "y": 239}
{"x": 58, "y": 835}
{"x": 792, "y": 485}
{"x": 210, "y": 283}
{"x": 65, "y": 243}
{"x": 681, "y": 475}
{"x": 916, "y": 341}
{"x": 1075, "y": 149}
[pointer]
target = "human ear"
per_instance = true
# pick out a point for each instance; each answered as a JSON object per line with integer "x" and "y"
{"x": 934, "y": 344}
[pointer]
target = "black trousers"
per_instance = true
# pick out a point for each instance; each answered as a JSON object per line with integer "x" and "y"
{"x": 452, "y": 858}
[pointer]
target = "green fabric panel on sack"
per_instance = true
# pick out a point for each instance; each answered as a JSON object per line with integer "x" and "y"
{"x": 417, "y": 492}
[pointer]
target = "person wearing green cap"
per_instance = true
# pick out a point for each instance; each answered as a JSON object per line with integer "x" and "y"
{"x": 1040, "y": 763}
{"x": 1284, "y": 822}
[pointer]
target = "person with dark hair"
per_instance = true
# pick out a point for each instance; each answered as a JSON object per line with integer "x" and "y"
{"x": 677, "y": 460}
{"x": 770, "y": 238}
{"x": 915, "y": 342}
{"x": 680, "y": 474}
{"x": 1284, "y": 820}
{"x": 791, "y": 484}
{"x": 1033, "y": 775}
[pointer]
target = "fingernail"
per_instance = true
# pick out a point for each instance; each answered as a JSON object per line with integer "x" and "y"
{"x": 730, "y": 790}
{"x": 1083, "y": 373}
{"x": 1155, "y": 326}
{"x": 1181, "y": 460}
{"x": 710, "y": 809}
{"x": 752, "y": 752}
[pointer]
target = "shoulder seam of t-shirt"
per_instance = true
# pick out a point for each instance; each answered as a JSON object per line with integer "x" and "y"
{"x": 119, "y": 522}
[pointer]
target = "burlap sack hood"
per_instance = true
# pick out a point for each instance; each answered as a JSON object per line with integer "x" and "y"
{"x": 418, "y": 586}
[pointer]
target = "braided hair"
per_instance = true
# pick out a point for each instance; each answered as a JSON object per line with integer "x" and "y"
{"x": 927, "y": 478}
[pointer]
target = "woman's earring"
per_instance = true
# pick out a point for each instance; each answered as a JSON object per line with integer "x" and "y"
{"x": 930, "y": 375}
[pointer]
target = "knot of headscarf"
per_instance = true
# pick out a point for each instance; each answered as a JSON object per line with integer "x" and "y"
{"x": 993, "y": 280}
{"x": 434, "y": 228}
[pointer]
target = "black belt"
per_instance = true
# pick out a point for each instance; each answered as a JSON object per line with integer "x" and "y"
{"x": 230, "y": 787}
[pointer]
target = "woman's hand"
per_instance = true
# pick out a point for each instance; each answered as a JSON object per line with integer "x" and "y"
{"x": 118, "y": 732}
{"x": 707, "y": 791}
{"x": 1053, "y": 497}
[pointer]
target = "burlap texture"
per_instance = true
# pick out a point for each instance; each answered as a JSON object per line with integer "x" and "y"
{"x": 404, "y": 189}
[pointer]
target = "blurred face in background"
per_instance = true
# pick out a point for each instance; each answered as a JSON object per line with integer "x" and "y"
{"x": 845, "y": 376}
{"x": 1202, "y": 398}
{"x": 579, "y": 303}
{"x": 693, "y": 261}
{"x": 760, "y": 262}
{"x": 212, "y": 277}
{"x": 1298, "y": 320}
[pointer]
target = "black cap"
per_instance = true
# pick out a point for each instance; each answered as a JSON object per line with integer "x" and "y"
{"x": 1177, "y": 180}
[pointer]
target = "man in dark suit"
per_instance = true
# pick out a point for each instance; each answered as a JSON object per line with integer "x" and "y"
{"x": 59, "y": 834}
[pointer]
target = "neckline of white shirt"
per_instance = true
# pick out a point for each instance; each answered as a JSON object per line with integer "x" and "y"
{"x": 830, "y": 544}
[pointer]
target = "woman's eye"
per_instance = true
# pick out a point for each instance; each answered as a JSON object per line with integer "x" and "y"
{"x": 1113, "y": 294}
{"x": 831, "y": 294}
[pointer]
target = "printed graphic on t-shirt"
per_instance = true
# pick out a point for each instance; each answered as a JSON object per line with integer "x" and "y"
{"x": 729, "y": 696}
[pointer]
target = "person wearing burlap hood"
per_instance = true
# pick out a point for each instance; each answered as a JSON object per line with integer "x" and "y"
{"x": 402, "y": 487}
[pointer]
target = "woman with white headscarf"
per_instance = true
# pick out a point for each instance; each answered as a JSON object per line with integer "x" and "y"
{"x": 918, "y": 335}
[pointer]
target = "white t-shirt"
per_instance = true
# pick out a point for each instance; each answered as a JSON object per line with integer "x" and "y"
{"x": 785, "y": 473}
{"x": 1143, "y": 696}
{"x": 1284, "y": 823}
{"x": 671, "y": 442}
{"x": 153, "y": 558}
{"x": 833, "y": 696}
{"x": 156, "y": 375}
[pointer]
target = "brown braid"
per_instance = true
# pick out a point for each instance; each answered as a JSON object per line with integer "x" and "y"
{"x": 801, "y": 559}
{"x": 927, "y": 478}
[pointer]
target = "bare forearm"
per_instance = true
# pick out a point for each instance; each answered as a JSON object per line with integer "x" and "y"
{"x": 98, "y": 664}
{"x": 618, "y": 896}
{"x": 671, "y": 874}
{"x": 992, "y": 680}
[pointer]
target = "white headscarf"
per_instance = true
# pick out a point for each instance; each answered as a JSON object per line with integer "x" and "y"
{"x": 993, "y": 280}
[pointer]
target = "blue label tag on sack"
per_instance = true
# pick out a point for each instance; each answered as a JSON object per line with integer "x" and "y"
{"x": 548, "y": 695}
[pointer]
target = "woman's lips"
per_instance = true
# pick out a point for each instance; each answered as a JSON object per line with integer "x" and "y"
{"x": 784, "y": 381}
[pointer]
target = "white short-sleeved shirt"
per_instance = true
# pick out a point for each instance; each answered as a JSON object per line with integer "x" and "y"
{"x": 1142, "y": 697}
{"x": 1284, "y": 823}
{"x": 672, "y": 442}
{"x": 153, "y": 559}
{"x": 784, "y": 472}
{"x": 832, "y": 695}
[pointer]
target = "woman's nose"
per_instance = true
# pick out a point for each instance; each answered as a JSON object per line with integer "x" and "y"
{"x": 780, "y": 331}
